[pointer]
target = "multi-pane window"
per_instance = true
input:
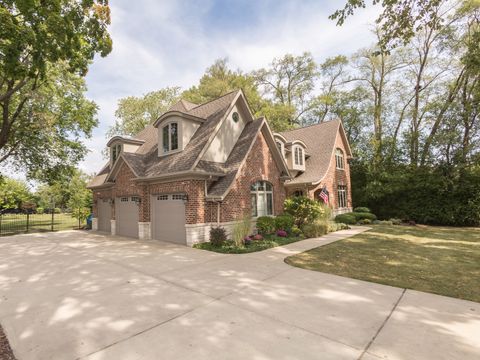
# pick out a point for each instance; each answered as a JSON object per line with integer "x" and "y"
{"x": 298, "y": 156}
{"x": 262, "y": 198}
{"x": 342, "y": 196}
{"x": 339, "y": 159}
{"x": 115, "y": 152}
{"x": 170, "y": 137}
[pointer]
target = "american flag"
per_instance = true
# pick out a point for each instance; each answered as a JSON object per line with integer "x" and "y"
{"x": 324, "y": 194}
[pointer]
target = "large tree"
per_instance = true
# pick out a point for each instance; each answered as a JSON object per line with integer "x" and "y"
{"x": 13, "y": 193}
{"x": 45, "y": 45}
{"x": 135, "y": 113}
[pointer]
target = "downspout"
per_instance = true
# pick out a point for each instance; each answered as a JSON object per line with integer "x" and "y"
{"x": 218, "y": 213}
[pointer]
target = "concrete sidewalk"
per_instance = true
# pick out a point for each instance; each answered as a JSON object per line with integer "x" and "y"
{"x": 72, "y": 295}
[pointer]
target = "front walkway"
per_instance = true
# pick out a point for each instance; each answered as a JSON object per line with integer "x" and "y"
{"x": 72, "y": 295}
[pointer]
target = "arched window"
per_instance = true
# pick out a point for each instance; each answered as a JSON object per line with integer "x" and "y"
{"x": 339, "y": 159}
{"x": 262, "y": 198}
{"x": 170, "y": 137}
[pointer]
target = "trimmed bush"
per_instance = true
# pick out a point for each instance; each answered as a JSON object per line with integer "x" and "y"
{"x": 365, "y": 222}
{"x": 40, "y": 210}
{"x": 361, "y": 209}
{"x": 218, "y": 236}
{"x": 347, "y": 218}
{"x": 266, "y": 225}
{"x": 333, "y": 226}
{"x": 396, "y": 221}
{"x": 303, "y": 209}
{"x": 362, "y": 216}
{"x": 284, "y": 222}
{"x": 316, "y": 229}
{"x": 57, "y": 210}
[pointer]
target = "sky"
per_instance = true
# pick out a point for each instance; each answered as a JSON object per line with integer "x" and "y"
{"x": 171, "y": 42}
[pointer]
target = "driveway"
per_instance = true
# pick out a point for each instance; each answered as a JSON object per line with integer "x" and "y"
{"x": 80, "y": 295}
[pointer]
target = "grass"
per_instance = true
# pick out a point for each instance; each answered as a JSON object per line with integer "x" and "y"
{"x": 229, "y": 247}
{"x": 439, "y": 260}
{"x": 17, "y": 223}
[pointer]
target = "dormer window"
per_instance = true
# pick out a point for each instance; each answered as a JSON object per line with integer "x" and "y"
{"x": 115, "y": 152}
{"x": 298, "y": 156}
{"x": 170, "y": 137}
{"x": 339, "y": 159}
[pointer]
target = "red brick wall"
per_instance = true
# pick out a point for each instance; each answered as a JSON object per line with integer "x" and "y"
{"x": 98, "y": 195}
{"x": 334, "y": 177}
{"x": 259, "y": 165}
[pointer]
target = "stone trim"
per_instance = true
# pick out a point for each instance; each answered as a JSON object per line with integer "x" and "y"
{"x": 95, "y": 224}
{"x": 113, "y": 229}
{"x": 198, "y": 233}
{"x": 144, "y": 231}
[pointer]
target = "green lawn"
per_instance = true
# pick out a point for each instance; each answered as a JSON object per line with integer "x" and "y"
{"x": 17, "y": 223}
{"x": 438, "y": 260}
{"x": 229, "y": 247}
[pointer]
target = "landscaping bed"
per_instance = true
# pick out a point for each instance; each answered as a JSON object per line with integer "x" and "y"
{"x": 5, "y": 350}
{"x": 229, "y": 247}
{"x": 439, "y": 260}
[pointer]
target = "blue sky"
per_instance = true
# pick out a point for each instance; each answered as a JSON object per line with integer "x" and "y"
{"x": 171, "y": 43}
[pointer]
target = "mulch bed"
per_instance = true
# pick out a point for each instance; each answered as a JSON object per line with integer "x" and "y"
{"x": 5, "y": 349}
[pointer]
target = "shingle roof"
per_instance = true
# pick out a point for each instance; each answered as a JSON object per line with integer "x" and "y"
{"x": 239, "y": 152}
{"x": 320, "y": 141}
{"x": 145, "y": 162}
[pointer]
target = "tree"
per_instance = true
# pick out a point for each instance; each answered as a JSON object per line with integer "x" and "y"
{"x": 80, "y": 198}
{"x": 39, "y": 42}
{"x": 13, "y": 193}
{"x": 219, "y": 80}
{"x": 45, "y": 138}
{"x": 136, "y": 113}
{"x": 399, "y": 21}
{"x": 289, "y": 81}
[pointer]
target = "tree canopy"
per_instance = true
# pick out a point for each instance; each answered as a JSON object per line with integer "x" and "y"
{"x": 45, "y": 50}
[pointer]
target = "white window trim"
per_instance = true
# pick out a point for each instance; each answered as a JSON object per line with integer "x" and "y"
{"x": 179, "y": 137}
{"x": 118, "y": 148}
{"x": 266, "y": 192}
{"x": 298, "y": 154}
{"x": 344, "y": 196}
{"x": 339, "y": 159}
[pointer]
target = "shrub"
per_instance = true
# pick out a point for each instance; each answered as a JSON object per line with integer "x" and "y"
{"x": 362, "y": 216}
{"x": 218, "y": 236}
{"x": 361, "y": 209}
{"x": 282, "y": 233}
{"x": 40, "y": 210}
{"x": 57, "y": 210}
{"x": 284, "y": 222}
{"x": 303, "y": 209}
{"x": 347, "y": 218}
{"x": 241, "y": 229}
{"x": 325, "y": 213}
{"x": 333, "y": 226}
{"x": 365, "y": 222}
{"x": 396, "y": 221}
{"x": 266, "y": 225}
{"x": 258, "y": 237}
{"x": 384, "y": 222}
{"x": 296, "y": 231}
{"x": 315, "y": 229}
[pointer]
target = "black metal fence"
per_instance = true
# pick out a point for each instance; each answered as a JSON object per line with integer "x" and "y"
{"x": 11, "y": 224}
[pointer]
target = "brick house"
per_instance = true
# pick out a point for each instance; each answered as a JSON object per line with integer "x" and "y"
{"x": 205, "y": 165}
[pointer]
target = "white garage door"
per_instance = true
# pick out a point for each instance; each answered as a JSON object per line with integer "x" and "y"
{"x": 104, "y": 214}
{"x": 168, "y": 218}
{"x": 126, "y": 216}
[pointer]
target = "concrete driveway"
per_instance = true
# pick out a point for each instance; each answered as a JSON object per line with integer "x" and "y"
{"x": 72, "y": 295}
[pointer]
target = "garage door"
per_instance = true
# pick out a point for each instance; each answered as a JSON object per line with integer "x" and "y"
{"x": 126, "y": 216}
{"x": 168, "y": 218}
{"x": 104, "y": 214}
